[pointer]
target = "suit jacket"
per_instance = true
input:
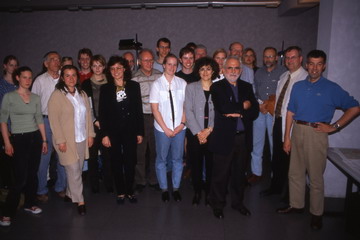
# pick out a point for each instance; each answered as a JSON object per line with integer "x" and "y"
{"x": 223, "y": 135}
{"x": 61, "y": 118}
{"x": 124, "y": 117}
{"x": 195, "y": 107}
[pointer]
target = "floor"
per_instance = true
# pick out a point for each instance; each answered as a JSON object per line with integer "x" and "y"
{"x": 150, "y": 219}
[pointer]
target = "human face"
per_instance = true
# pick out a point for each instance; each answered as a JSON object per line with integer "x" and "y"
{"x": 163, "y": 49}
{"x": 170, "y": 66}
{"x": 187, "y": 60}
{"x": 236, "y": 50}
{"x": 220, "y": 58}
{"x": 293, "y": 60}
{"x": 146, "y": 62}
{"x": 199, "y": 53}
{"x": 249, "y": 58}
{"x": 206, "y": 73}
{"x": 11, "y": 66}
{"x": 117, "y": 71}
{"x": 269, "y": 58}
{"x": 53, "y": 63}
{"x": 315, "y": 67}
{"x": 70, "y": 78}
{"x": 25, "y": 79}
{"x": 232, "y": 70}
{"x": 130, "y": 59}
{"x": 97, "y": 68}
{"x": 84, "y": 61}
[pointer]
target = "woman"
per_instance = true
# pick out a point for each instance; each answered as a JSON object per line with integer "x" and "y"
{"x": 122, "y": 124}
{"x": 200, "y": 120}
{"x": 167, "y": 98}
{"x": 73, "y": 132}
{"x": 219, "y": 56}
{"x": 92, "y": 87}
{"x": 249, "y": 59}
{"x": 25, "y": 144}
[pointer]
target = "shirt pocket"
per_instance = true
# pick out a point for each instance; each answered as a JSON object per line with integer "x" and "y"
{"x": 164, "y": 96}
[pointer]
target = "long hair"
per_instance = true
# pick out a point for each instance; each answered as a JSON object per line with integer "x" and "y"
{"x": 61, "y": 84}
{"x": 122, "y": 61}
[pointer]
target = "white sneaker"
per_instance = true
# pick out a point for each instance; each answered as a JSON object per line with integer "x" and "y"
{"x": 5, "y": 221}
{"x": 33, "y": 210}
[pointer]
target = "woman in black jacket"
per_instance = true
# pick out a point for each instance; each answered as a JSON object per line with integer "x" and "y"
{"x": 122, "y": 124}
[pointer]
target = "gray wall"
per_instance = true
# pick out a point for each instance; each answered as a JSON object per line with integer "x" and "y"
{"x": 30, "y": 35}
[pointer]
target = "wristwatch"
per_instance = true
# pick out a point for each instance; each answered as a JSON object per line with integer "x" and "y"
{"x": 336, "y": 125}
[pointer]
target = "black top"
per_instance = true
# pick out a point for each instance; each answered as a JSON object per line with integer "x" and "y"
{"x": 206, "y": 113}
{"x": 124, "y": 117}
{"x": 189, "y": 78}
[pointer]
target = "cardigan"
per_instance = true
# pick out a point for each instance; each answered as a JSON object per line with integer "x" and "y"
{"x": 61, "y": 117}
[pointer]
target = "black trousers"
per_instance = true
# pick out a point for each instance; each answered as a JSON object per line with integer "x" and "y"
{"x": 198, "y": 153}
{"x": 6, "y": 172}
{"x": 229, "y": 168}
{"x": 26, "y": 160}
{"x": 281, "y": 160}
{"x": 123, "y": 162}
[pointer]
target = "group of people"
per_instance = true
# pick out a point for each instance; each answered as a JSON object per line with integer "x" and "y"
{"x": 140, "y": 120}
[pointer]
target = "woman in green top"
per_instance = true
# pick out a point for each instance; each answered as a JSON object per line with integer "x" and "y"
{"x": 25, "y": 143}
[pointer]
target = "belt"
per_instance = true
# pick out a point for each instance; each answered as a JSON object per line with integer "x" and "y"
{"x": 240, "y": 132}
{"x": 310, "y": 124}
{"x": 45, "y": 116}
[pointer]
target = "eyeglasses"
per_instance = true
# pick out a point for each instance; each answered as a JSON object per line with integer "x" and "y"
{"x": 147, "y": 60}
{"x": 233, "y": 68}
{"x": 116, "y": 68}
{"x": 291, "y": 58}
{"x": 271, "y": 56}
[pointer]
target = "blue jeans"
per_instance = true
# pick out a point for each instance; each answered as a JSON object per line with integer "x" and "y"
{"x": 60, "y": 184}
{"x": 164, "y": 146}
{"x": 261, "y": 124}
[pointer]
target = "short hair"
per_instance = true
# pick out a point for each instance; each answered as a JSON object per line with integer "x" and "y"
{"x": 170, "y": 55}
{"x": 232, "y": 57}
{"x": 46, "y": 56}
{"x": 201, "y": 46}
{"x": 219, "y": 50}
{"x": 270, "y": 48}
{"x": 231, "y": 45}
{"x": 165, "y": 40}
{"x": 298, "y": 49}
{"x": 144, "y": 50}
{"x": 207, "y": 61}
{"x": 61, "y": 83}
{"x": 122, "y": 61}
{"x": 128, "y": 52}
{"x": 186, "y": 50}
{"x": 18, "y": 72}
{"x": 86, "y": 51}
{"x": 317, "y": 54}
{"x": 98, "y": 58}
{"x": 7, "y": 59}
{"x": 191, "y": 45}
{"x": 63, "y": 59}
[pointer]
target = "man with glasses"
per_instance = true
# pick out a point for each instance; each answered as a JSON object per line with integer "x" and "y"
{"x": 266, "y": 79}
{"x": 145, "y": 76}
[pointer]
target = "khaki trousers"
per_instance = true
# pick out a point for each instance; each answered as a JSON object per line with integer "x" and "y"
{"x": 308, "y": 156}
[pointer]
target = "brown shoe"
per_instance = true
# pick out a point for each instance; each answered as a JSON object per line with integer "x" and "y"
{"x": 43, "y": 198}
{"x": 289, "y": 209}
{"x": 316, "y": 222}
{"x": 61, "y": 194}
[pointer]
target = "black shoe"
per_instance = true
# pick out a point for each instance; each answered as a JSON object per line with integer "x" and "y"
{"x": 81, "y": 210}
{"x": 218, "y": 213}
{"x": 176, "y": 196}
{"x": 269, "y": 192}
{"x": 139, "y": 188}
{"x": 316, "y": 222}
{"x": 132, "y": 198}
{"x": 289, "y": 209}
{"x": 165, "y": 197}
{"x": 244, "y": 211}
{"x": 120, "y": 200}
{"x": 196, "y": 199}
{"x": 155, "y": 187}
{"x": 67, "y": 199}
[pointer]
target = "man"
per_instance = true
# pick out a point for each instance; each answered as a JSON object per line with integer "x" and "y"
{"x": 236, "y": 50}
{"x": 266, "y": 79}
{"x": 187, "y": 64}
{"x": 130, "y": 59}
{"x": 84, "y": 58}
{"x": 235, "y": 109}
{"x": 145, "y": 76}
{"x": 200, "y": 51}
{"x": 43, "y": 86}
{"x": 313, "y": 102}
{"x": 163, "y": 47}
{"x": 280, "y": 160}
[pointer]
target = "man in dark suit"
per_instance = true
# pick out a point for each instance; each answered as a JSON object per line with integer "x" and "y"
{"x": 231, "y": 142}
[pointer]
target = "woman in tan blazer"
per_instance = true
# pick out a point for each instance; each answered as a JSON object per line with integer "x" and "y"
{"x": 73, "y": 132}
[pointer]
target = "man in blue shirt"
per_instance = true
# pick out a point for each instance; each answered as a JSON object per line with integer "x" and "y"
{"x": 313, "y": 102}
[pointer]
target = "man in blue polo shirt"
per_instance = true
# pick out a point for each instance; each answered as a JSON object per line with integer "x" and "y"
{"x": 313, "y": 102}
